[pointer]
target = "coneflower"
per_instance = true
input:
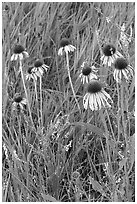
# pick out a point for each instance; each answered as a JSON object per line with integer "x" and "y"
{"x": 40, "y": 67}
{"x": 31, "y": 74}
{"x": 110, "y": 53}
{"x": 65, "y": 46}
{"x": 18, "y": 101}
{"x": 96, "y": 97}
{"x": 122, "y": 70}
{"x": 19, "y": 52}
{"x": 87, "y": 73}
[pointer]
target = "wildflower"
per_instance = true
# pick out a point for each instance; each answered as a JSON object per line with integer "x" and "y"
{"x": 108, "y": 20}
{"x": 19, "y": 101}
{"x": 109, "y": 54}
{"x": 39, "y": 68}
{"x": 96, "y": 97}
{"x": 19, "y": 52}
{"x": 87, "y": 74}
{"x": 31, "y": 74}
{"x": 122, "y": 70}
{"x": 65, "y": 46}
{"x": 68, "y": 146}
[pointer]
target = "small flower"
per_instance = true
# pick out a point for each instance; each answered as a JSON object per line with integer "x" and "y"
{"x": 108, "y": 20}
{"x": 68, "y": 146}
{"x": 109, "y": 54}
{"x": 96, "y": 97}
{"x": 87, "y": 74}
{"x": 19, "y": 52}
{"x": 19, "y": 101}
{"x": 39, "y": 68}
{"x": 31, "y": 74}
{"x": 65, "y": 46}
{"x": 122, "y": 70}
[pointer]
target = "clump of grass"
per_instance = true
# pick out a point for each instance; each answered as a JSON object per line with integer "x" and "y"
{"x": 54, "y": 149}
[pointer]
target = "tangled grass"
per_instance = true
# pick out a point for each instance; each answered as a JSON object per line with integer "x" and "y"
{"x": 51, "y": 150}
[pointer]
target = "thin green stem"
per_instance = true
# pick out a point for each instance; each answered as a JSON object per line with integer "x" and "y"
{"x": 22, "y": 76}
{"x": 125, "y": 135}
{"x": 110, "y": 125}
{"x": 41, "y": 102}
{"x": 37, "y": 105}
{"x": 122, "y": 113}
{"x": 107, "y": 141}
{"x": 67, "y": 58}
{"x": 118, "y": 114}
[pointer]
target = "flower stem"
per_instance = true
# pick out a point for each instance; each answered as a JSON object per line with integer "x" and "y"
{"x": 107, "y": 143}
{"x": 37, "y": 106}
{"x": 118, "y": 116}
{"x": 71, "y": 82}
{"x": 41, "y": 102}
{"x": 110, "y": 125}
{"x": 22, "y": 76}
{"x": 125, "y": 136}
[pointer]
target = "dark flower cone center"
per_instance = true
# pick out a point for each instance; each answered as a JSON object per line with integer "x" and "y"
{"x": 86, "y": 70}
{"x": 18, "y": 99}
{"x": 109, "y": 50}
{"x": 121, "y": 63}
{"x": 18, "y": 49}
{"x": 30, "y": 70}
{"x": 64, "y": 42}
{"x": 94, "y": 87}
{"x": 6, "y": 7}
{"x": 38, "y": 63}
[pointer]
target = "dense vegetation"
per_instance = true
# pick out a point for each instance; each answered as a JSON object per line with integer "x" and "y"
{"x": 54, "y": 149}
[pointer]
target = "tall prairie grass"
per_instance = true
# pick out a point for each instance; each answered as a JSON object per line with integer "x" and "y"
{"x": 51, "y": 150}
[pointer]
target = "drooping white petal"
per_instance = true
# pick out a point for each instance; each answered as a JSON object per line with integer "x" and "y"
{"x": 105, "y": 60}
{"x": 102, "y": 98}
{"x": 21, "y": 106}
{"x": 83, "y": 79}
{"x": 92, "y": 76}
{"x": 102, "y": 57}
{"x": 21, "y": 56}
{"x": 109, "y": 61}
{"x": 25, "y": 54}
{"x": 107, "y": 104}
{"x": 119, "y": 74}
{"x": 124, "y": 74}
{"x": 38, "y": 74}
{"x": 41, "y": 70}
{"x": 98, "y": 101}
{"x": 118, "y": 54}
{"x": 86, "y": 79}
{"x": 116, "y": 75}
{"x": 60, "y": 51}
{"x": 106, "y": 94}
{"x": 91, "y": 102}
{"x": 44, "y": 67}
{"x": 66, "y": 48}
{"x": 24, "y": 101}
{"x": 12, "y": 57}
{"x": 95, "y": 102}
{"x": 35, "y": 77}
